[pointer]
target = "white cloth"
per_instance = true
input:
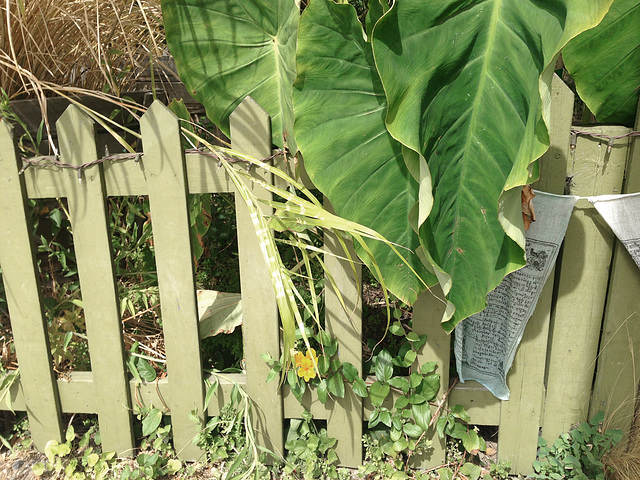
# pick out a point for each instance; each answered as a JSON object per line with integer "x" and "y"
{"x": 622, "y": 214}
{"x": 486, "y": 343}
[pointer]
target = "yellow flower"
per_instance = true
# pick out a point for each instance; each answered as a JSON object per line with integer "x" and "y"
{"x": 306, "y": 370}
{"x": 312, "y": 353}
{"x": 307, "y": 364}
{"x": 299, "y": 358}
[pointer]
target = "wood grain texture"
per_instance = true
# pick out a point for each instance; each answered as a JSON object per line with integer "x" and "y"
{"x": 24, "y": 299}
{"x": 521, "y": 415}
{"x": 584, "y": 273}
{"x": 251, "y": 135}
{"x": 618, "y": 374}
{"x": 346, "y": 417}
{"x": 164, "y": 165}
{"x": 92, "y": 245}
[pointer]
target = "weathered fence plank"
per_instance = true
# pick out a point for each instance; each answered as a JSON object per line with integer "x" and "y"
{"x": 251, "y": 134}
{"x": 427, "y": 312}
{"x": 617, "y": 376}
{"x": 92, "y": 244}
{"x": 24, "y": 299}
{"x": 164, "y": 165}
{"x": 345, "y": 419}
{"x": 584, "y": 272}
{"x": 521, "y": 415}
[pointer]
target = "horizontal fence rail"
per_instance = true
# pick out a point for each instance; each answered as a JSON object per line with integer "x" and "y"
{"x": 552, "y": 373}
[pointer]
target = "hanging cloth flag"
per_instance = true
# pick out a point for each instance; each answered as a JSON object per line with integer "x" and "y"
{"x": 486, "y": 343}
{"x": 622, "y": 214}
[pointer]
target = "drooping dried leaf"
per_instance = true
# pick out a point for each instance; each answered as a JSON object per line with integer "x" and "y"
{"x": 218, "y": 312}
{"x": 528, "y": 213}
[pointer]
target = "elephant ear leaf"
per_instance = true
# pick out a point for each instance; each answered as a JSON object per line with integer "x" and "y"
{"x": 340, "y": 108}
{"x": 605, "y": 64}
{"x": 463, "y": 83}
{"x": 228, "y": 49}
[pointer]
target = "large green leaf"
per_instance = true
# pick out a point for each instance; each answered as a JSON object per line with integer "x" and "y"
{"x": 605, "y": 64}
{"x": 218, "y": 312}
{"x": 228, "y": 49}
{"x": 462, "y": 79}
{"x": 349, "y": 155}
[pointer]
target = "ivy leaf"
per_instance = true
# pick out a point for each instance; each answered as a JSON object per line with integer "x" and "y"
{"x": 374, "y": 419}
{"x": 384, "y": 367}
{"x": 401, "y": 402}
{"x": 458, "y": 411}
{"x": 428, "y": 367}
{"x": 322, "y": 391}
{"x": 430, "y": 386}
{"x": 147, "y": 372}
{"x": 422, "y": 415}
{"x": 360, "y": 388}
{"x": 349, "y": 371}
{"x": 401, "y": 383}
{"x": 378, "y": 392}
{"x": 412, "y": 430}
{"x": 385, "y": 417}
{"x": 336, "y": 385}
{"x": 471, "y": 471}
{"x": 396, "y": 329}
{"x": 151, "y": 422}
{"x": 471, "y": 442}
{"x": 415, "y": 379}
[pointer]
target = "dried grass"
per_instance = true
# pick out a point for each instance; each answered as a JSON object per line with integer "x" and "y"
{"x": 97, "y": 45}
{"x": 623, "y": 462}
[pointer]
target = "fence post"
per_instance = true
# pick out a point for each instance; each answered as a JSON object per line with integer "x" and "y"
{"x": 24, "y": 299}
{"x": 164, "y": 165}
{"x": 346, "y": 417}
{"x": 92, "y": 245}
{"x": 427, "y": 313}
{"x": 520, "y": 416}
{"x": 616, "y": 383}
{"x": 584, "y": 273}
{"x": 251, "y": 134}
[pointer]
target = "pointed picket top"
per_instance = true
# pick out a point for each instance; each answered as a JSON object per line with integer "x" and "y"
{"x": 6, "y": 129}
{"x": 74, "y": 126}
{"x": 250, "y": 128}
{"x": 158, "y": 110}
{"x": 159, "y": 123}
{"x": 7, "y": 142}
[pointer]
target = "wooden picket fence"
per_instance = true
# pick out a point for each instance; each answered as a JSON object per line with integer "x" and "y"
{"x": 587, "y": 316}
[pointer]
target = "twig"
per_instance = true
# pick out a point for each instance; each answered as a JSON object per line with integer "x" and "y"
{"x": 442, "y": 402}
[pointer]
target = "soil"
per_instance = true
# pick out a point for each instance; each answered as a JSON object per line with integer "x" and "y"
{"x": 18, "y": 466}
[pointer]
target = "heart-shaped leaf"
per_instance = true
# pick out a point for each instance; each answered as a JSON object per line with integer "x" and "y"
{"x": 463, "y": 85}
{"x": 340, "y": 108}
{"x": 228, "y": 49}
{"x": 605, "y": 64}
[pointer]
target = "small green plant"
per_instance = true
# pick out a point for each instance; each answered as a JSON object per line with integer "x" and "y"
{"x": 229, "y": 437}
{"x": 310, "y": 451}
{"x": 402, "y": 404}
{"x": 499, "y": 470}
{"x": 576, "y": 454}
{"x": 83, "y": 463}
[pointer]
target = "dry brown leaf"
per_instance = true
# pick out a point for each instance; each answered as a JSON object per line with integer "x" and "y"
{"x": 528, "y": 213}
